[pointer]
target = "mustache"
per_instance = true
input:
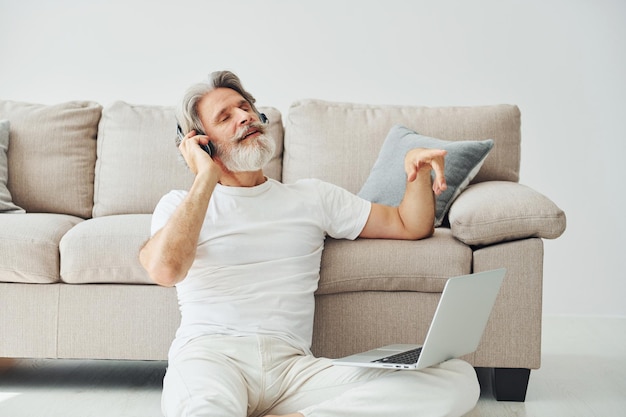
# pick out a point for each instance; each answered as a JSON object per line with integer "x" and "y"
{"x": 246, "y": 130}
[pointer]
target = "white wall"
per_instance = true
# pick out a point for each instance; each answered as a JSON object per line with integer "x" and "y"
{"x": 562, "y": 61}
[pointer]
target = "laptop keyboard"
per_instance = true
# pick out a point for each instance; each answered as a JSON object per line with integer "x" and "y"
{"x": 408, "y": 357}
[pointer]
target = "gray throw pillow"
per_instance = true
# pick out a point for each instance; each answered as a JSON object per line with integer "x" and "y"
{"x": 6, "y": 201}
{"x": 387, "y": 180}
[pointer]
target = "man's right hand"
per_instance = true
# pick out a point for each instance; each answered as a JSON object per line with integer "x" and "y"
{"x": 197, "y": 159}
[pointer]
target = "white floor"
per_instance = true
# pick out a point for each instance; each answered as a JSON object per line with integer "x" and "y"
{"x": 583, "y": 374}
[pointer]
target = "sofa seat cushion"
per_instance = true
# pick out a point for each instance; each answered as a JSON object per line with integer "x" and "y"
{"x": 105, "y": 250}
{"x": 392, "y": 265}
{"x": 29, "y": 244}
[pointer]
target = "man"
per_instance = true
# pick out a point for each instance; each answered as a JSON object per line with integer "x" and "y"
{"x": 244, "y": 253}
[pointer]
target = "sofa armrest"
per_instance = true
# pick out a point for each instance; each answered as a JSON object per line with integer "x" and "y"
{"x": 498, "y": 211}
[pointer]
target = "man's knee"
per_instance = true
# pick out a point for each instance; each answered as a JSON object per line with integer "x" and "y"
{"x": 463, "y": 385}
{"x": 186, "y": 395}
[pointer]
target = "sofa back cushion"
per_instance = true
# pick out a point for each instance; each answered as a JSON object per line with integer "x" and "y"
{"x": 6, "y": 201}
{"x": 339, "y": 142}
{"x": 52, "y": 155}
{"x": 138, "y": 161}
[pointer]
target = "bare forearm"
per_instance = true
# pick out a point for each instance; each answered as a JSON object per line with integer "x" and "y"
{"x": 169, "y": 254}
{"x": 417, "y": 209}
{"x": 415, "y": 217}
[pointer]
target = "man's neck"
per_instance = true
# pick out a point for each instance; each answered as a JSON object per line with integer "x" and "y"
{"x": 243, "y": 179}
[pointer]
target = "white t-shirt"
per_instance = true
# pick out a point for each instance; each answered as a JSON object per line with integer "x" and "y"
{"x": 258, "y": 257}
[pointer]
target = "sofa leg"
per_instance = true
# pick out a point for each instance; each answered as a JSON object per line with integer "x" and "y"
{"x": 510, "y": 384}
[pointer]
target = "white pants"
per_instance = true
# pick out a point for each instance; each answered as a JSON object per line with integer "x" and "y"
{"x": 254, "y": 376}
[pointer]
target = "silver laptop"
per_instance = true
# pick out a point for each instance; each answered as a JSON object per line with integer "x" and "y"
{"x": 456, "y": 328}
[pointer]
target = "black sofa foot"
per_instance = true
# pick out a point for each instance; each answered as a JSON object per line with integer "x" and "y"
{"x": 510, "y": 384}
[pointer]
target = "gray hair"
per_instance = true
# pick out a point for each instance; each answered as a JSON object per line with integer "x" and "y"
{"x": 187, "y": 111}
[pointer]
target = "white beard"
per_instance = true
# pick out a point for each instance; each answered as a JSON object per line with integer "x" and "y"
{"x": 245, "y": 157}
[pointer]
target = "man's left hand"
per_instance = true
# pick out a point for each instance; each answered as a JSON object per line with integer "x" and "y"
{"x": 422, "y": 160}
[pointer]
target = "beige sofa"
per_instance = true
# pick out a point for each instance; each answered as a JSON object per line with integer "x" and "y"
{"x": 89, "y": 177}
